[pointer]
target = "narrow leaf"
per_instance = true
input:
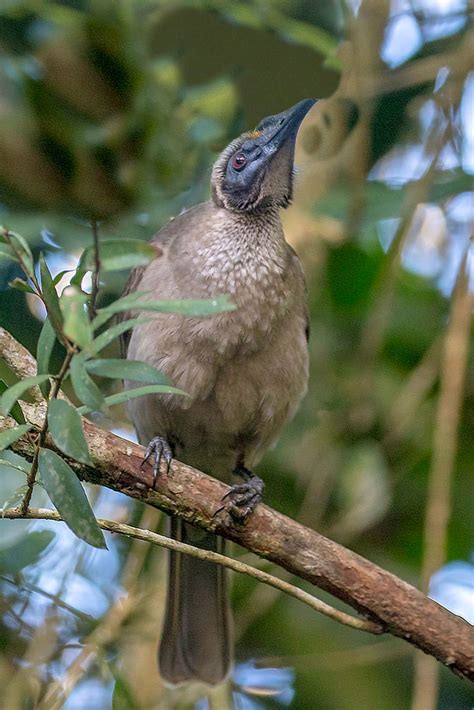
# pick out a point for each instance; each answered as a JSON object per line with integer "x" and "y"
{"x": 65, "y": 427}
{"x": 7, "y": 466}
{"x": 22, "y": 285}
{"x": 44, "y": 351}
{"x": 109, "y": 335}
{"x": 23, "y": 248}
{"x": 8, "y": 437}
{"x": 50, "y": 296}
{"x": 136, "y": 392}
{"x": 15, "y": 498}
{"x": 127, "y": 370}
{"x": 6, "y": 252}
{"x": 69, "y": 498}
{"x": 19, "y": 462}
{"x": 84, "y": 387}
{"x": 16, "y": 411}
{"x": 59, "y": 276}
{"x": 15, "y": 392}
{"x": 77, "y": 326}
{"x": 185, "y": 307}
{"x": 76, "y": 279}
{"x": 117, "y": 254}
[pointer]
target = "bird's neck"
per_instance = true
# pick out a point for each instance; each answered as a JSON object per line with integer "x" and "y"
{"x": 248, "y": 252}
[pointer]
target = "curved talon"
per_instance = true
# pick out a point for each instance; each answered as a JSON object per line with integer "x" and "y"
{"x": 242, "y": 498}
{"x": 158, "y": 448}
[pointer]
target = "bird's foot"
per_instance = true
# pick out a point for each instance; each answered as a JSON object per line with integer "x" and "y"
{"x": 242, "y": 498}
{"x": 159, "y": 449}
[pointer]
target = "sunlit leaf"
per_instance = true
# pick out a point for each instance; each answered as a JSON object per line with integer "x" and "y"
{"x": 126, "y": 395}
{"x": 59, "y": 276}
{"x": 8, "y": 437}
{"x": 77, "y": 326}
{"x": 76, "y": 279}
{"x": 127, "y": 370}
{"x": 21, "y": 285}
{"x": 69, "y": 498}
{"x": 65, "y": 427}
{"x": 117, "y": 254}
{"x": 84, "y": 387}
{"x": 50, "y": 296}
{"x": 44, "y": 351}
{"x": 15, "y": 392}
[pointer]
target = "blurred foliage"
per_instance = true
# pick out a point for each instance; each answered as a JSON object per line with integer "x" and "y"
{"x": 115, "y": 111}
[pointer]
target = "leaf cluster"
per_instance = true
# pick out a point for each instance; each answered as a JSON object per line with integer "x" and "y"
{"x": 83, "y": 332}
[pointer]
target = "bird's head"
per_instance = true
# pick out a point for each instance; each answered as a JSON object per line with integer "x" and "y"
{"x": 255, "y": 172}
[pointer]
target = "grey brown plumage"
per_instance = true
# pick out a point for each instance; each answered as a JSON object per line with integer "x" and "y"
{"x": 245, "y": 370}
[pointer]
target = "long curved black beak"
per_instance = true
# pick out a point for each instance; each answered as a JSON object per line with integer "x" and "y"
{"x": 287, "y": 124}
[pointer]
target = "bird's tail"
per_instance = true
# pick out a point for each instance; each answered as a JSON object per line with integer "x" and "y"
{"x": 196, "y": 639}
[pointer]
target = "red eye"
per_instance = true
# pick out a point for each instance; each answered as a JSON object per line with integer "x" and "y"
{"x": 239, "y": 161}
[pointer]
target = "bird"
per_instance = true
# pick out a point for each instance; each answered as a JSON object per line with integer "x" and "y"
{"x": 245, "y": 371}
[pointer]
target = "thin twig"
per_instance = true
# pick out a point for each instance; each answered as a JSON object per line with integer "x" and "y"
{"x": 31, "y": 477}
{"x": 29, "y": 586}
{"x": 107, "y": 629}
{"x": 209, "y": 556}
{"x": 96, "y": 273}
{"x": 438, "y": 507}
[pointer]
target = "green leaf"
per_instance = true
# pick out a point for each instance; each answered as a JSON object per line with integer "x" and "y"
{"x": 22, "y": 247}
{"x": 6, "y": 252}
{"x": 117, "y": 254}
{"x": 77, "y": 326}
{"x": 122, "y": 698}
{"x": 44, "y": 350}
{"x": 25, "y": 552}
{"x": 22, "y": 285}
{"x": 14, "y": 393}
{"x": 7, "y": 466}
{"x": 79, "y": 274}
{"x": 185, "y": 307}
{"x": 127, "y": 370}
{"x": 8, "y": 437}
{"x": 16, "y": 460}
{"x": 16, "y": 497}
{"x": 59, "y": 276}
{"x": 65, "y": 427}
{"x": 50, "y": 296}
{"x": 136, "y": 392}
{"x": 69, "y": 498}
{"x": 16, "y": 411}
{"x": 109, "y": 335}
{"x": 85, "y": 388}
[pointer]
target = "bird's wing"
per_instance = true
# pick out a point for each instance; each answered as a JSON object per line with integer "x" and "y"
{"x": 161, "y": 241}
{"x": 302, "y": 278}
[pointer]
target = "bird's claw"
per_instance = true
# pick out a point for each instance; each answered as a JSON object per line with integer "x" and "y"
{"x": 242, "y": 498}
{"x": 159, "y": 449}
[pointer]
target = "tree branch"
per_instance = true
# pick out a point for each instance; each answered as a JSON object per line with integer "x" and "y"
{"x": 187, "y": 493}
{"x": 209, "y": 556}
